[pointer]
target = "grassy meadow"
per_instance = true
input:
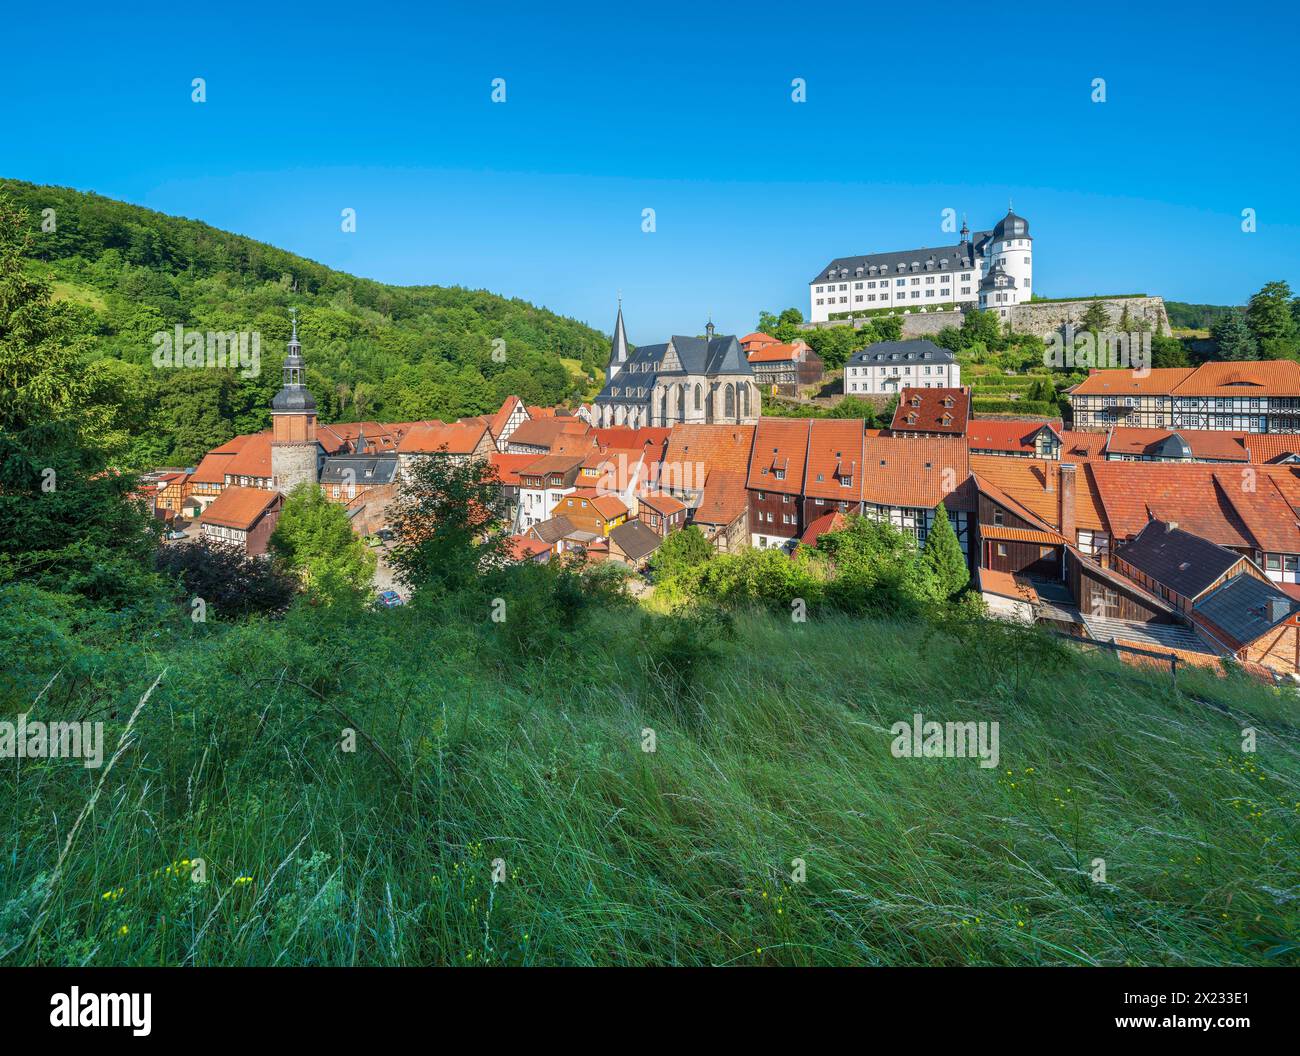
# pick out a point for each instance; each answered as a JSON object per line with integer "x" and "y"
{"x": 482, "y": 743}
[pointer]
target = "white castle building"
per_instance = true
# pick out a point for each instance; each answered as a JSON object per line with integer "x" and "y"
{"x": 991, "y": 270}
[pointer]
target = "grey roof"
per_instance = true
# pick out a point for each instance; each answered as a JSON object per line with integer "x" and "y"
{"x": 618, "y": 346}
{"x": 883, "y": 352}
{"x": 997, "y": 277}
{"x": 721, "y": 357}
{"x": 635, "y": 539}
{"x": 961, "y": 256}
{"x": 1155, "y": 635}
{"x": 550, "y": 530}
{"x": 359, "y": 469}
{"x": 1171, "y": 446}
{"x": 1011, "y": 226}
{"x": 1246, "y": 607}
{"x": 1179, "y": 560}
{"x": 293, "y": 396}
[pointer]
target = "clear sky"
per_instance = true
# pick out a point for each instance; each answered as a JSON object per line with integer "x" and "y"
{"x": 685, "y": 109}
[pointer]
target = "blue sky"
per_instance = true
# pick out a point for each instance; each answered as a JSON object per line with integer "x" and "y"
{"x": 686, "y": 109}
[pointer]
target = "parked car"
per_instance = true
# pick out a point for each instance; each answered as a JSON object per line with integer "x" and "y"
{"x": 176, "y": 535}
{"x": 389, "y": 599}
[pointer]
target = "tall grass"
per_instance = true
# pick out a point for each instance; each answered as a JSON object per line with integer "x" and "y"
{"x": 608, "y": 854}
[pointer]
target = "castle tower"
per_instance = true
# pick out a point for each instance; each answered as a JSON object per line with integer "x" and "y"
{"x": 294, "y": 451}
{"x": 617, "y": 347}
{"x": 1011, "y": 247}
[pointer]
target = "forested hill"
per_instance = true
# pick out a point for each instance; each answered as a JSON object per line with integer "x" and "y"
{"x": 373, "y": 351}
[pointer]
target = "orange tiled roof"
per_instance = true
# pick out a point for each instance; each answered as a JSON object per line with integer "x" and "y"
{"x": 499, "y": 420}
{"x": 696, "y": 451}
{"x": 608, "y": 506}
{"x": 238, "y": 507}
{"x": 757, "y": 338}
{"x": 1035, "y": 483}
{"x": 916, "y": 471}
{"x": 724, "y": 497}
{"x": 1001, "y": 434}
{"x": 1249, "y": 507}
{"x": 661, "y": 503}
{"x": 1265, "y": 447}
{"x": 1081, "y": 446}
{"x": 1274, "y": 377}
{"x": 932, "y": 411}
{"x": 834, "y": 455}
{"x": 1160, "y": 381}
{"x": 508, "y": 466}
{"x": 212, "y": 470}
{"x": 780, "y": 447}
{"x": 775, "y": 352}
{"x": 1018, "y": 535}
{"x": 253, "y": 458}
{"x": 458, "y": 439}
{"x": 621, "y": 436}
{"x": 544, "y": 431}
{"x": 827, "y": 522}
{"x": 1205, "y": 443}
{"x": 1005, "y": 584}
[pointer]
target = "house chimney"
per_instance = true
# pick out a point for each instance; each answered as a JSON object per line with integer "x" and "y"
{"x": 1067, "y": 503}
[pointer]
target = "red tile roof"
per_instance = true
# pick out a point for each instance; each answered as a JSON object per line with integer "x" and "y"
{"x": 508, "y": 466}
{"x": 238, "y": 507}
{"x": 1159, "y": 381}
{"x": 1002, "y": 434}
{"x": 775, "y": 352}
{"x": 932, "y": 411}
{"x": 827, "y": 522}
{"x": 1248, "y": 507}
{"x": 780, "y": 452}
{"x": 916, "y": 471}
{"x": 253, "y": 458}
{"x": 499, "y": 420}
{"x": 459, "y": 439}
{"x": 834, "y": 457}
{"x": 1205, "y": 443}
{"x": 724, "y": 498}
{"x": 522, "y": 548}
{"x": 661, "y": 503}
{"x": 694, "y": 452}
{"x": 543, "y": 432}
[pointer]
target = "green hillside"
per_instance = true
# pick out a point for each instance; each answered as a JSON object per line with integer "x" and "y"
{"x": 488, "y": 743}
{"x": 373, "y": 350}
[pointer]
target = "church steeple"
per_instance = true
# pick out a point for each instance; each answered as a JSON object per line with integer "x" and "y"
{"x": 618, "y": 347}
{"x": 293, "y": 423}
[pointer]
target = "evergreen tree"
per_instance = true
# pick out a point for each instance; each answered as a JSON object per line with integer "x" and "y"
{"x": 941, "y": 557}
{"x": 1268, "y": 314}
{"x": 1234, "y": 338}
{"x": 1095, "y": 318}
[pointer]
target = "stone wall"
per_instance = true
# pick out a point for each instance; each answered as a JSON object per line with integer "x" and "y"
{"x": 1043, "y": 318}
{"x": 1040, "y": 318}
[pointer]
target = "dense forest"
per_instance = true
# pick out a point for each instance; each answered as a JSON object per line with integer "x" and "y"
{"x": 124, "y": 274}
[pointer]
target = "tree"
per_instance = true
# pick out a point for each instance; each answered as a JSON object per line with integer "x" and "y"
{"x": 886, "y": 328}
{"x": 1168, "y": 352}
{"x": 941, "y": 557}
{"x": 680, "y": 551}
{"x": 447, "y": 520}
{"x": 1095, "y": 318}
{"x": 67, "y": 520}
{"x": 314, "y": 540}
{"x": 231, "y": 583}
{"x": 981, "y": 327}
{"x": 1233, "y": 337}
{"x": 1268, "y": 315}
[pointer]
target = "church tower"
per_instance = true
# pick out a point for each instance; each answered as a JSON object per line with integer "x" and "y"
{"x": 617, "y": 347}
{"x": 293, "y": 422}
